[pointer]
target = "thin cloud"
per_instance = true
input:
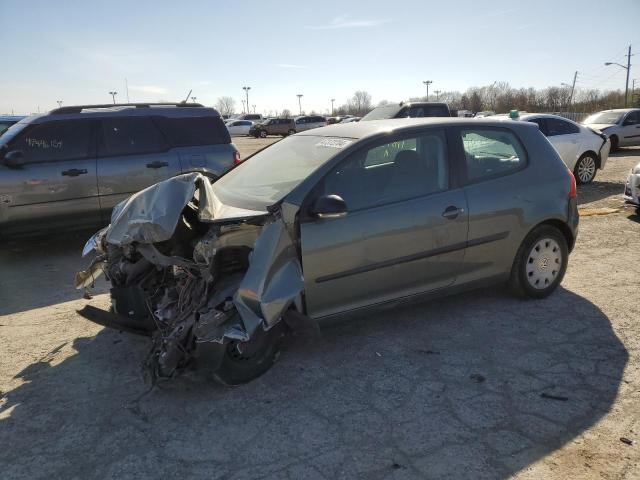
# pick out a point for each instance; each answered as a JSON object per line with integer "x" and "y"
{"x": 343, "y": 21}
{"x": 290, "y": 65}
{"x": 154, "y": 89}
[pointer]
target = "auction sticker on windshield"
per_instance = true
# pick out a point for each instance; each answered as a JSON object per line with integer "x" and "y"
{"x": 333, "y": 142}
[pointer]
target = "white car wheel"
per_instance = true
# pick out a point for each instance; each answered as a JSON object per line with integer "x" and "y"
{"x": 544, "y": 263}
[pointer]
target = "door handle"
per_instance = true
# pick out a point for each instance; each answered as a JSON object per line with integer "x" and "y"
{"x": 157, "y": 164}
{"x": 74, "y": 172}
{"x": 452, "y": 212}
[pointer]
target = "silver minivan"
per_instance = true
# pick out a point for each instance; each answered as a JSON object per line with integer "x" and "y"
{"x": 310, "y": 121}
{"x": 69, "y": 167}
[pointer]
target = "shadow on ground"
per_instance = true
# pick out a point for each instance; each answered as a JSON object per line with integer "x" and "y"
{"x": 450, "y": 389}
{"x": 39, "y": 271}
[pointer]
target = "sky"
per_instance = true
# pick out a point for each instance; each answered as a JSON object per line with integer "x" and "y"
{"x": 79, "y": 51}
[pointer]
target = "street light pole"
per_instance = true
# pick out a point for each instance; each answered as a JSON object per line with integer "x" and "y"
{"x": 59, "y": 102}
{"x": 113, "y": 96}
{"x": 254, "y": 108}
{"x": 427, "y": 83}
{"x": 299, "y": 95}
{"x": 243, "y": 110}
{"x": 246, "y": 91}
{"x": 332, "y": 100}
{"x": 437, "y": 92}
{"x": 628, "y": 69}
{"x": 193, "y": 99}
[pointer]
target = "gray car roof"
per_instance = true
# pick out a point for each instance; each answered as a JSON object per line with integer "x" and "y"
{"x": 361, "y": 130}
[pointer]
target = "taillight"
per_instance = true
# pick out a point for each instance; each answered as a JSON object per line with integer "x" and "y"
{"x": 573, "y": 191}
{"x": 237, "y": 160}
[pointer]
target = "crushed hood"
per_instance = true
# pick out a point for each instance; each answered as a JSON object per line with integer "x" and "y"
{"x": 151, "y": 215}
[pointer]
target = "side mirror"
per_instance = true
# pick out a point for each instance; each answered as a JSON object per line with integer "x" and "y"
{"x": 329, "y": 206}
{"x": 14, "y": 159}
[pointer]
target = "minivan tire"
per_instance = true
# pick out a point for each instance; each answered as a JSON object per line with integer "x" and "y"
{"x": 533, "y": 274}
{"x": 263, "y": 134}
{"x": 291, "y": 132}
{"x": 238, "y": 367}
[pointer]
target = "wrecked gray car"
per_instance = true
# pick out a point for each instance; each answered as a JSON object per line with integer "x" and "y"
{"x": 370, "y": 212}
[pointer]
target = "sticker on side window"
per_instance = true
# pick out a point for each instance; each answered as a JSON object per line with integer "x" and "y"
{"x": 333, "y": 142}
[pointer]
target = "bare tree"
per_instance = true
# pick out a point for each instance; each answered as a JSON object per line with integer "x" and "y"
{"x": 360, "y": 102}
{"x": 226, "y": 105}
{"x": 285, "y": 113}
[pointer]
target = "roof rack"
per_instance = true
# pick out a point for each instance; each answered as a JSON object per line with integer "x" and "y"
{"x": 80, "y": 108}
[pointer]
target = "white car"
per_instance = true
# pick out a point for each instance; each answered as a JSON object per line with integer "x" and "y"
{"x": 582, "y": 149}
{"x": 622, "y": 126}
{"x": 239, "y": 128}
{"x": 632, "y": 188}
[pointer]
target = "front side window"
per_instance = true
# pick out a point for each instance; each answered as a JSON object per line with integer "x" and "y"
{"x": 633, "y": 118}
{"x": 54, "y": 141}
{"x": 491, "y": 152}
{"x": 130, "y": 136}
{"x": 396, "y": 171}
{"x": 556, "y": 126}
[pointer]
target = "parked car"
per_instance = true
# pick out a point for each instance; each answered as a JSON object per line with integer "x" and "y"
{"x": 484, "y": 113}
{"x": 582, "y": 149}
{"x": 308, "y": 122}
{"x": 239, "y": 127}
{"x": 273, "y": 126}
{"x": 351, "y": 119}
{"x": 254, "y": 117}
{"x": 408, "y": 110}
{"x": 7, "y": 120}
{"x": 622, "y": 126}
{"x": 332, "y": 120}
{"x": 632, "y": 188}
{"x": 69, "y": 167}
{"x": 330, "y": 221}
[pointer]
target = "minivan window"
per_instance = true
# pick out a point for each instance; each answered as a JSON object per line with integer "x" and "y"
{"x": 130, "y": 136}
{"x": 272, "y": 173}
{"x": 54, "y": 141}
{"x": 425, "y": 111}
{"x": 193, "y": 131}
{"x": 393, "y": 172}
{"x": 491, "y": 152}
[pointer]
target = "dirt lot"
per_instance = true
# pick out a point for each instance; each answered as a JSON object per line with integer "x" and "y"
{"x": 448, "y": 389}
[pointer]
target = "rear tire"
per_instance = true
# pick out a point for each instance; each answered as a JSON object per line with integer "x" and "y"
{"x": 540, "y": 263}
{"x": 585, "y": 169}
{"x": 291, "y": 132}
{"x": 246, "y": 361}
{"x": 263, "y": 134}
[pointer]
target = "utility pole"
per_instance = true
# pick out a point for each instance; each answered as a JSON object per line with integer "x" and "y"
{"x": 126, "y": 87}
{"x": 254, "y": 108}
{"x": 113, "y": 96}
{"x": 573, "y": 88}
{"x": 628, "y": 69}
{"x": 437, "y": 92}
{"x": 246, "y": 91}
{"x": 332, "y": 100}
{"x": 427, "y": 83}
{"x": 299, "y": 95}
{"x": 243, "y": 106}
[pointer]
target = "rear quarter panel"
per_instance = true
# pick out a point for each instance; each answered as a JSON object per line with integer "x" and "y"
{"x": 507, "y": 208}
{"x": 208, "y": 159}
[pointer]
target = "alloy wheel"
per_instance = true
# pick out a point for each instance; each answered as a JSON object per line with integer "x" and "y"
{"x": 586, "y": 169}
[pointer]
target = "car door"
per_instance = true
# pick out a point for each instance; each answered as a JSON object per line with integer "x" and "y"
{"x": 630, "y": 129}
{"x": 54, "y": 186}
{"x": 234, "y": 127}
{"x": 132, "y": 155}
{"x": 498, "y": 192}
{"x": 404, "y": 233}
{"x": 243, "y": 129}
{"x": 565, "y": 138}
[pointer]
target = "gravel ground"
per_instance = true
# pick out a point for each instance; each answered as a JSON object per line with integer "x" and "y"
{"x": 480, "y": 385}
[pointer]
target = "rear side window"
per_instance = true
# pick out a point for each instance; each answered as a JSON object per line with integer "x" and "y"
{"x": 424, "y": 111}
{"x": 130, "y": 136}
{"x": 193, "y": 131}
{"x": 54, "y": 141}
{"x": 491, "y": 152}
{"x": 560, "y": 127}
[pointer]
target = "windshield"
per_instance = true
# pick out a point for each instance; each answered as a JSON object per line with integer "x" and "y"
{"x": 272, "y": 173}
{"x": 383, "y": 112}
{"x": 603, "y": 117}
{"x": 11, "y": 132}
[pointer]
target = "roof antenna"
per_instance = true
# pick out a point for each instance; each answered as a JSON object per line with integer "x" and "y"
{"x": 188, "y": 95}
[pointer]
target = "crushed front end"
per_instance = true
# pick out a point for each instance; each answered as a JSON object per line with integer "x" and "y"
{"x": 207, "y": 281}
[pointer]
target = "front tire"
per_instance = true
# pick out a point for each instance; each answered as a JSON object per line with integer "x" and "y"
{"x": 263, "y": 134}
{"x": 246, "y": 361}
{"x": 292, "y": 132}
{"x": 585, "y": 169}
{"x": 614, "y": 143}
{"x": 540, "y": 263}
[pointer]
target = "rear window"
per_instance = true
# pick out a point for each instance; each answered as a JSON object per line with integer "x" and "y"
{"x": 192, "y": 131}
{"x": 425, "y": 111}
{"x": 491, "y": 152}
